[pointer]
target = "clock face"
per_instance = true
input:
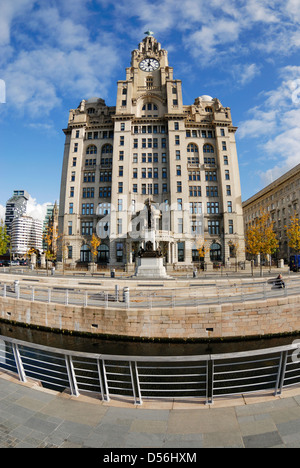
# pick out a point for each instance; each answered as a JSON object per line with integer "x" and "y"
{"x": 149, "y": 65}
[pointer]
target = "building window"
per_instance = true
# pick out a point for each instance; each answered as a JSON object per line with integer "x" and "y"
{"x": 212, "y": 208}
{"x": 211, "y": 176}
{"x": 178, "y": 170}
{"x": 180, "y": 226}
{"x": 73, "y": 176}
{"x": 164, "y": 173}
{"x": 119, "y": 248}
{"x": 71, "y": 192}
{"x": 192, "y": 148}
{"x": 225, "y": 160}
{"x": 75, "y": 147}
{"x": 208, "y": 149}
{"x": 70, "y": 228}
{"x": 179, "y": 187}
{"x": 230, "y": 226}
{"x": 120, "y": 171}
{"x": 215, "y": 252}
{"x": 227, "y": 175}
{"x": 74, "y": 162}
{"x": 228, "y": 190}
{"x": 178, "y": 155}
{"x": 224, "y": 146}
{"x": 70, "y": 252}
{"x": 120, "y": 187}
{"x": 213, "y": 227}
{"x": 91, "y": 149}
{"x": 180, "y": 250}
{"x": 119, "y": 226}
{"x": 229, "y": 207}
{"x": 71, "y": 208}
{"x": 77, "y": 134}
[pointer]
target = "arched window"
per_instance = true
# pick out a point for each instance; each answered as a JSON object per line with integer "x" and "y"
{"x": 107, "y": 149}
{"x": 92, "y": 149}
{"x": 215, "y": 252}
{"x": 192, "y": 148}
{"x": 208, "y": 149}
{"x": 85, "y": 254}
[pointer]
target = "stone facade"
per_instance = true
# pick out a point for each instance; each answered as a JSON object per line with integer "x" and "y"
{"x": 230, "y": 320}
{"x": 151, "y": 168}
{"x": 281, "y": 200}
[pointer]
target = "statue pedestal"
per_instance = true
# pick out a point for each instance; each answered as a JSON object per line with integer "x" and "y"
{"x": 150, "y": 267}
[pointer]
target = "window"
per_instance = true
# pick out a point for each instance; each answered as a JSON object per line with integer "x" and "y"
{"x": 178, "y": 170}
{"x": 119, "y": 252}
{"x": 85, "y": 254}
{"x": 121, "y": 141}
{"x": 227, "y": 175}
{"x": 122, "y": 125}
{"x": 176, "y": 125}
{"x": 192, "y": 148}
{"x": 224, "y": 147}
{"x": 180, "y": 250}
{"x": 120, "y": 171}
{"x": 208, "y": 149}
{"x": 135, "y": 173}
{"x": 119, "y": 226}
{"x": 214, "y": 227}
{"x": 178, "y": 155}
{"x": 70, "y": 228}
{"x": 121, "y": 155}
{"x": 230, "y": 226}
{"x": 210, "y": 176}
{"x": 228, "y": 190}
{"x": 120, "y": 187}
{"x": 77, "y": 134}
{"x": 74, "y": 162}
{"x": 222, "y": 132}
{"x": 179, "y": 204}
{"x": 75, "y": 147}
{"x": 212, "y": 208}
{"x": 179, "y": 187}
{"x": 225, "y": 160}
{"x": 215, "y": 252}
{"x": 73, "y": 176}
{"x": 195, "y": 191}
{"x": 106, "y": 149}
{"x": 212, "y": 191}
{"x": 180, "y": 226}
{"x": 87, "y": 228}
{"x": 120, "y": 204}
{"x": 71, "y": 192}
{"x": 164, "y": 173}
{"x": 71, "y": 208}
{"x": 135, "y": 188}
{"x": 70, "y": 252}
{"x": 91, "y": 149}
{"x": 229, "y": 207}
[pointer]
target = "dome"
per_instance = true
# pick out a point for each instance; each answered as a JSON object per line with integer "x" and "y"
{"x": 92, "y": 99}
{"x": 205, "y": 98}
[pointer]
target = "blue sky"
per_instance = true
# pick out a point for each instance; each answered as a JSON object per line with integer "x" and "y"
{"x": 55, "y": 53}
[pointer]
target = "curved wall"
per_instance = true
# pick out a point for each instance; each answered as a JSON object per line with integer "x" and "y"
{"x": 245, "y": 319}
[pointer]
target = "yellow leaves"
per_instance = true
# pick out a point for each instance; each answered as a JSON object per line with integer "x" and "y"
{"x": 293, "y": 233}
{"x": 95, "y": 242}
{"x": 261, "y": 238}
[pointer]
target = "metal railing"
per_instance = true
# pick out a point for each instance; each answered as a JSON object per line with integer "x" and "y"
{"x": 148, "y": 295}
{"x": 201, "y": 378}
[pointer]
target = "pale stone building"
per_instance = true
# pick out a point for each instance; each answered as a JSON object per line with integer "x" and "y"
{"x": 281, "y": 200}
{"x": 151, "y": 168}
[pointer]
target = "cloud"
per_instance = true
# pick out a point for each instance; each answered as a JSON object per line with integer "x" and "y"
{"x": 36, "y": 210}
{"x": 60, "y": 56}
{"x": 2, "y": 212}
{"x": 275, "y": 124}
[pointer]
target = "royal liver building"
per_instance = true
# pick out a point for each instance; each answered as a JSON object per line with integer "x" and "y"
{"x": 151, "y": 169}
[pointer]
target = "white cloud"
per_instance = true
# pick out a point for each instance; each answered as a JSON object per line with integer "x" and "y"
{"x": 275, "y": 124}
{"x": 2, "y": 212}
{"x": 36, "y": 210}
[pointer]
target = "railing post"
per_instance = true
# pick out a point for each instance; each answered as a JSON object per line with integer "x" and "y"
{"x": 135, "y": 383}
{"x": 4, "y": 290}
{"x": 281, "y": 372}
{"x": 209, "y": 381}
{"x": 49, "y": 295}
{"x": 19, "y": 363}
{"x": 71, "y": 375}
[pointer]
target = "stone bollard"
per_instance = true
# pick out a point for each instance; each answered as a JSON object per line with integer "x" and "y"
{"x": 126, "y": 295}
{"x": 17, "y": 287}
{"x": 117, "y": 287}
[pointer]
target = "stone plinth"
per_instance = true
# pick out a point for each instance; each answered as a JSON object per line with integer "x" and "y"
{"x": 150, "y": 267}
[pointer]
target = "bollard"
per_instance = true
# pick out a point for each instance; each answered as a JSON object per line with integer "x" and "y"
{"x": 126, "y": 295}
{"x": 17, "y": 287}
{"x": 112, "y": 273}
{"x": 117, "y": 287}
{"x": 195, "y": 274}
{"x": 52, "y": 271}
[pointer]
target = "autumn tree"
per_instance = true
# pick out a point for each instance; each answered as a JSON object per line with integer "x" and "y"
{"x": 4, "y": 238}
{"x": 293, "y": 234}
{"x": 95, "y": 242}
{"x": 261, "y": 238}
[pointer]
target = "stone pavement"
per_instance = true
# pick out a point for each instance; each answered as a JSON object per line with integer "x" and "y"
{"x": 32, "y": 417}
